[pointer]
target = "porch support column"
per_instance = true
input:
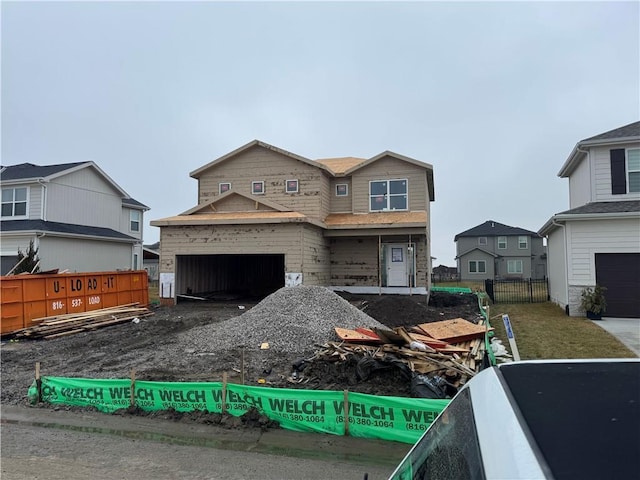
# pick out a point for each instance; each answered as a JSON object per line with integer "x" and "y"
{"x": 411, "y": 272}
{"x": 379, "y": 265}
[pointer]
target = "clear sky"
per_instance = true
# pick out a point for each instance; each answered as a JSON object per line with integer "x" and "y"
{"x": 493, "y": 95}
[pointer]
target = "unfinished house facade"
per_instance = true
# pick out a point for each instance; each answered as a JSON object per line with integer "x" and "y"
{"x": 266, "y": 218}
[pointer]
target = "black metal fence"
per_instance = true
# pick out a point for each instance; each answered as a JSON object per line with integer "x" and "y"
{"x": 517, "y": 291}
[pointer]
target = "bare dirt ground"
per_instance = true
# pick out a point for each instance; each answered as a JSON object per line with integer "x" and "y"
{"x": 149, "y": 347}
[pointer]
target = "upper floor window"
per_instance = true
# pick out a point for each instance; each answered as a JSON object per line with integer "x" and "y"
{"x": 134, "y": 220}
{"x": 257, "y": 188}
{"x": 523, "y": 242}
{"x": 388, "y": 195}
{"x": 482, "y": 240}
{"x": 291, "y": 186}
{"x": 14, "y": 202}
{"x": 224, "y": 187}
{"x": 342, "y": 190}
{"x": 633, "y": 169}
{"x": 502, "y": 243}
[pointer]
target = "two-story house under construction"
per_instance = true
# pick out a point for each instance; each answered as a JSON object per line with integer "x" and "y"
{"x": 267, "y": 218}
{"x": 494, "y": 250}
{"x": 597, "y": 241}
{"x": 78, "y": 218}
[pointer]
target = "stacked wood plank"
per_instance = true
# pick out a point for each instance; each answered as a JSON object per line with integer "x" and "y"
{"x": 455, "y": 345}
{"x": 71, "y": 323}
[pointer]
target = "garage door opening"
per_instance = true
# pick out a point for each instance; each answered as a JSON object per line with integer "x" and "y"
{"x": 228, "y": 277}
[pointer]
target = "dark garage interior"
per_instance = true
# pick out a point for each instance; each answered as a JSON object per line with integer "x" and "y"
{"x": 228, "y": 277}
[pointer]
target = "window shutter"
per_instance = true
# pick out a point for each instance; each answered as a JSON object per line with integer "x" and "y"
{"x": 618, "y": 172}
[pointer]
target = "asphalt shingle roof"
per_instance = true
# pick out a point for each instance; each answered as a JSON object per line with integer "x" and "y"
{"x": 57, "y": 227}
{"x": 605, "y": 207}
{"x": 631, "y": 130}
{"x": 492, "y": 229}
{"x": 29, "y": 170}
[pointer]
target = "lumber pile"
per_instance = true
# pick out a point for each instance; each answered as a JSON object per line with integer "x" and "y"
{"x": 71, "y": 323}
{"x": 452, "y": 349}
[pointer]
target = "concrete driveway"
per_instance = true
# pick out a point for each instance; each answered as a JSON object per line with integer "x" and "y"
{"x": 627, "y": 330}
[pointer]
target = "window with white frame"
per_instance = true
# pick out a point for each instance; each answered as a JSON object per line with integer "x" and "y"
{"x": 134, "y": 220}
{"x": 523, "y": 242}
{"x": 291, "y": 186}
{"x": 388, "y": 195}
{"x": 14, "y": 202}
{"x": 257, "y": 188}
{"x": 224, "y": 187}
{"x": 514, "y": 266}
{"x": 342, "y": 189}
{"x": 477, "y": 266}
{"x": 633, "y": 169}
{"x": 502, "y": 243}
{"x": 482, "y": 240}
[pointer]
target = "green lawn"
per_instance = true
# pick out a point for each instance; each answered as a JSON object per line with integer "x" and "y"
{"x": 543, "y": 330}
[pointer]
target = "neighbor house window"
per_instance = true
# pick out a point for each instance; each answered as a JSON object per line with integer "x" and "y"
{"x": 502, "y": 243}
{"x": 633, "y": 170}
{"x": 134, "y": 220}
{"x": 514, "y": 266}
{"x": 388, "y": 195}
{"x": 224, "y": 187}
{"x": 14, "y": 202}
{"x": 477, "y": 266}
{"x": 523, "y": 242}
{"x": 292, "y": 186}
{"x": 342, "y": 190}
{"x": 482, "y": 240}
{"x": 257, "y": 188}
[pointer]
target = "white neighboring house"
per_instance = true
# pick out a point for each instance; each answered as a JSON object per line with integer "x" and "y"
{"x": 79, "y": 219}
{"x": 598, "y": 239}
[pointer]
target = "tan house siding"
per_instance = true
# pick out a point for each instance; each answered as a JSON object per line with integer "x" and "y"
{"x": 341, "y": 204}
{"x": 236, "y": 203}
{"x": 354, "y": 261}
{"x": 316, "y": 257}
{"x": 259, "y": 164}
{"x": 389, "y": 169}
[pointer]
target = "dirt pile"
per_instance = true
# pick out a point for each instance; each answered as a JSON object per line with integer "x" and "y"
{"x": 200, "y": 341}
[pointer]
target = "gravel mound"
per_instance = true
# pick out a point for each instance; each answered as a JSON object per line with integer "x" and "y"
{"x": 292, "y": 320}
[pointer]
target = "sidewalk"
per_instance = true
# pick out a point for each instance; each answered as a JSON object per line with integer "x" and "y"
{"x": 627, "y": 330}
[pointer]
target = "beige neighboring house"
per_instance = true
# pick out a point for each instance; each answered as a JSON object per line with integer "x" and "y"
{"x": 597, "y": 241}
{"x": 267, "y": 218}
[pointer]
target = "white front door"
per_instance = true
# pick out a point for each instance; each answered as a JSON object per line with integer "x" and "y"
{"x": 397, "y": 262}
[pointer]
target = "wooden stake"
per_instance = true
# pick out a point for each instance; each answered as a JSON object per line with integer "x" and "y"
{"x": 133, "y": 387}
{"x": 346, "y": 413}
{"x": 38, "y": 383}
{"x": 242, "y": 368}
{"x": 224, "y": 392}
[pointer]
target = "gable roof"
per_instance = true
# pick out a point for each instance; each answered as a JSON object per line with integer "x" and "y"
{"x": 625, "y": 134}
{"x": 491, "y": 228}
{"x": 255, "y": 143}
{"x": 232, "y": 193}
{"x": 29, "y": 172}
{"x": 427, "y": 166}
{"x": 66, "y": 229}
{"x": 494, "y": 255}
